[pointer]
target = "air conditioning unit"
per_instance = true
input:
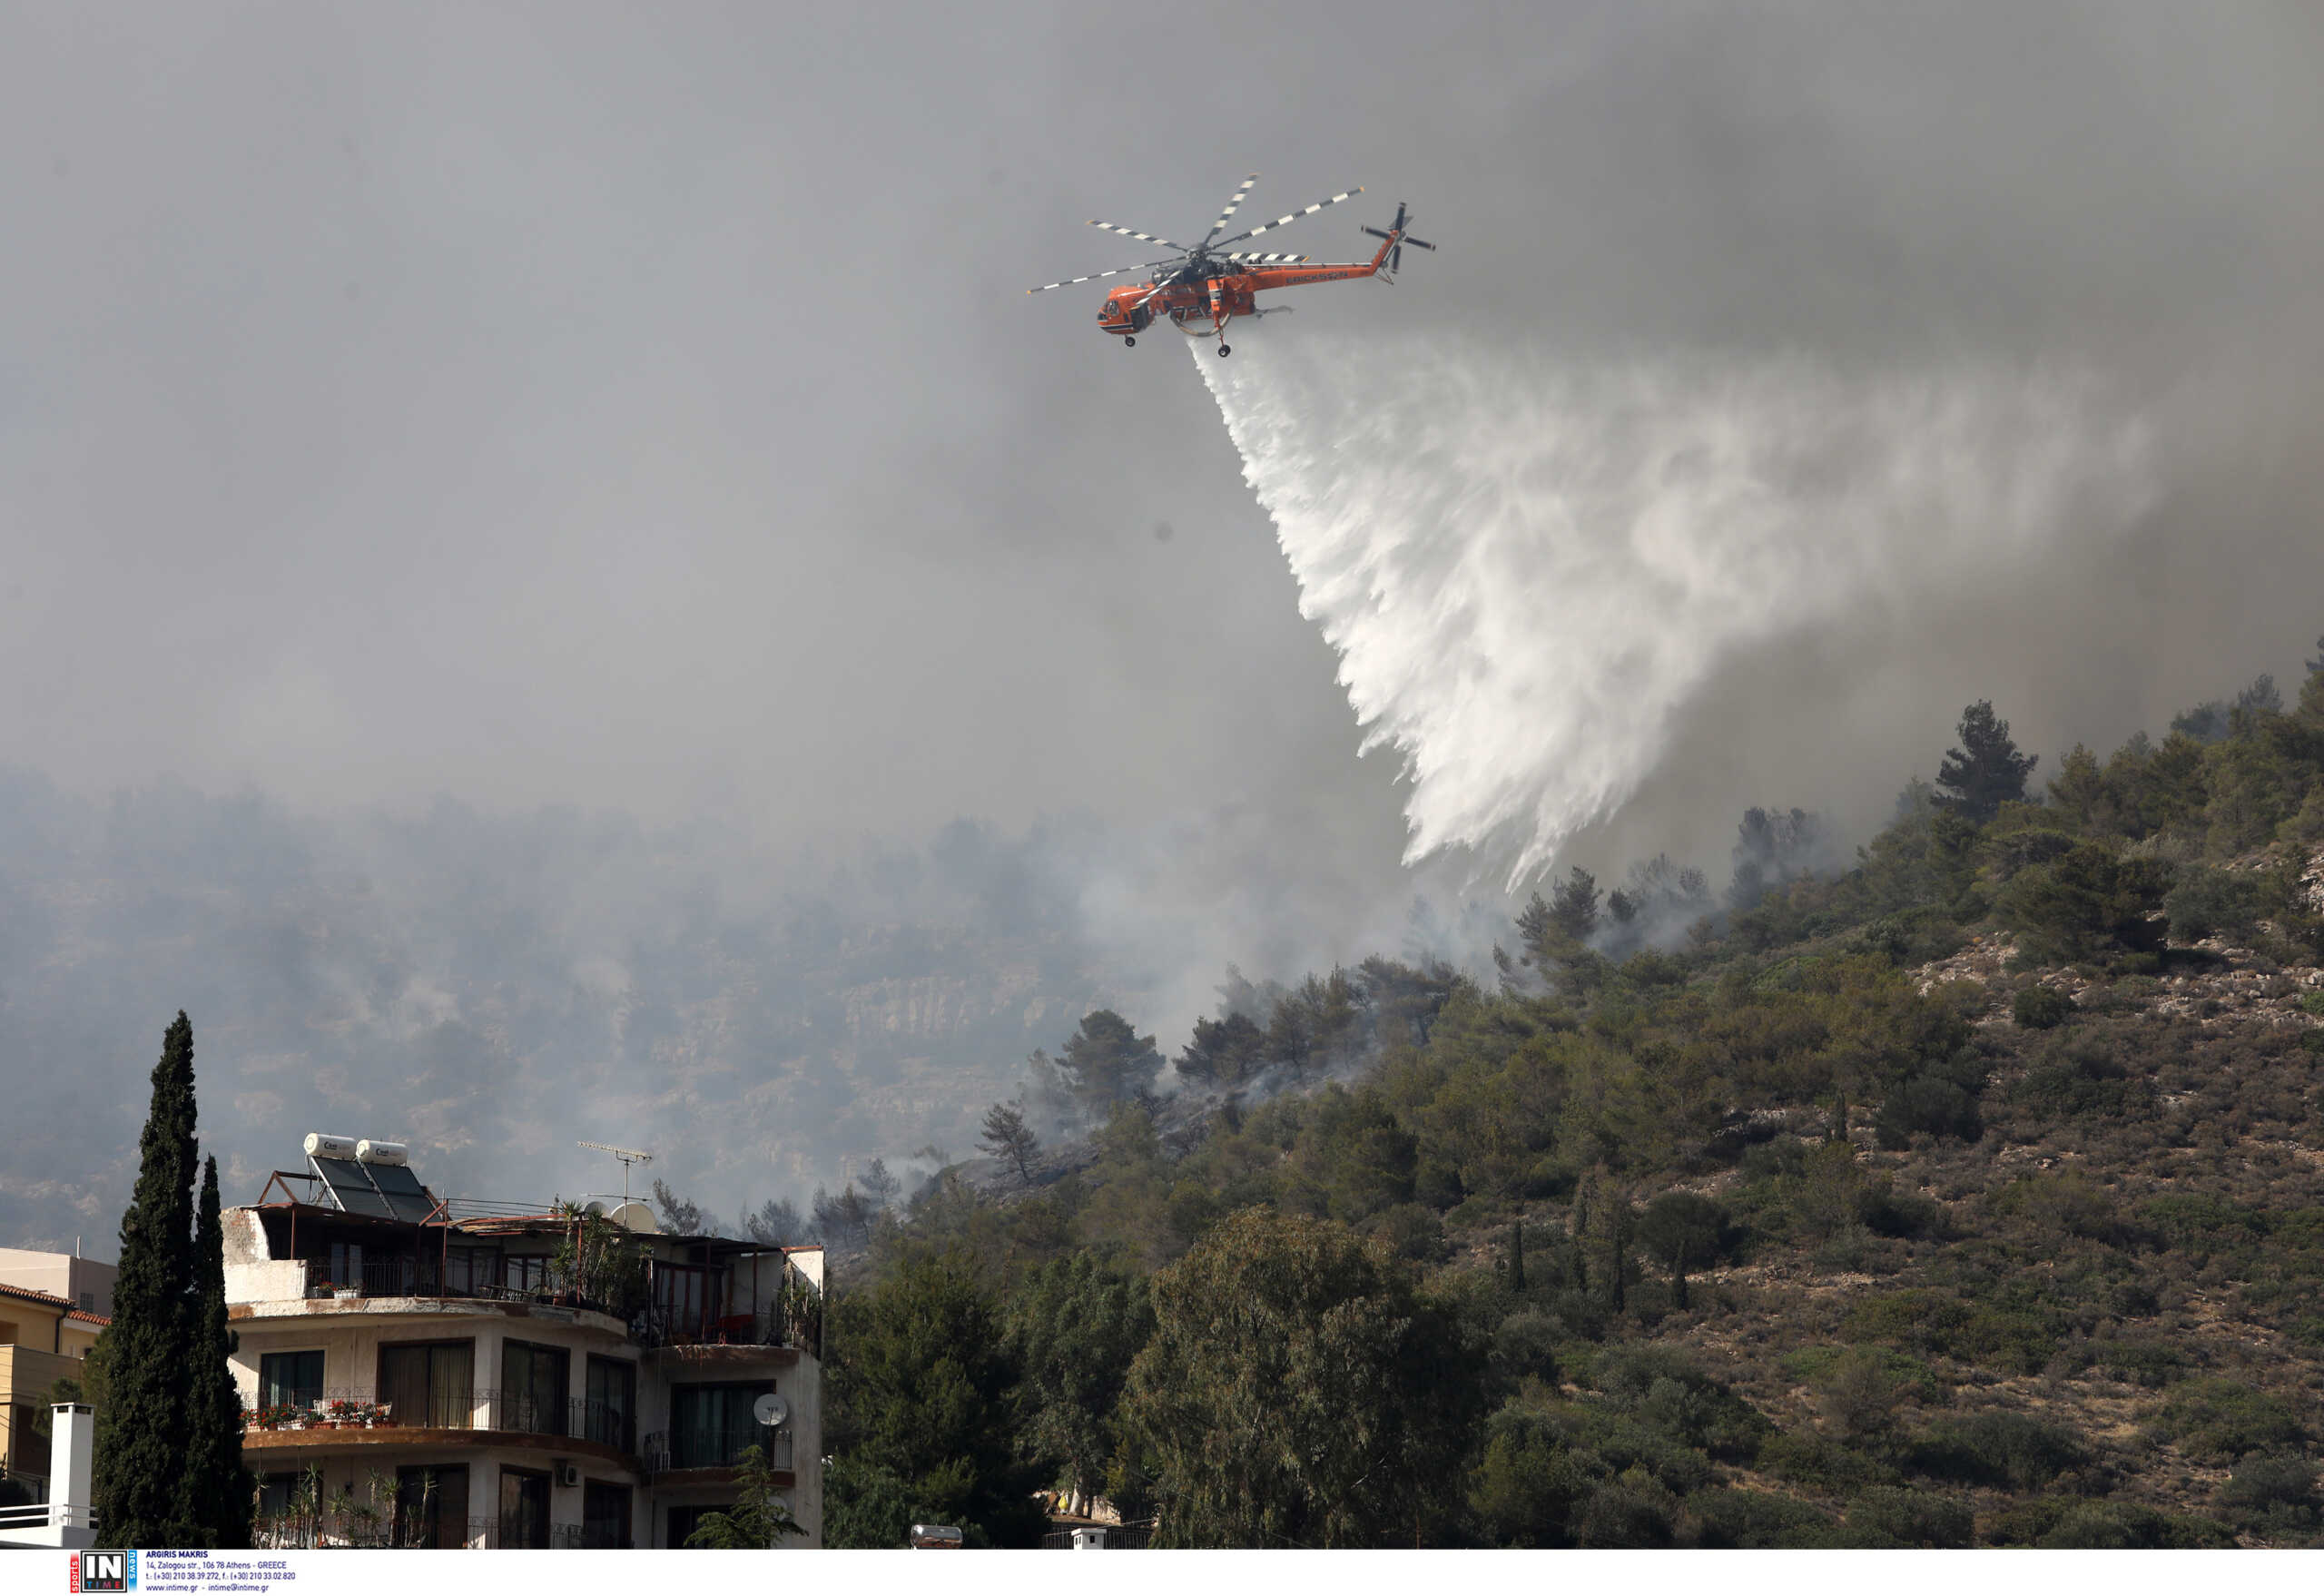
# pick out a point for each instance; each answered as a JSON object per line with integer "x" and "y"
{"x": 568, "y": 1474}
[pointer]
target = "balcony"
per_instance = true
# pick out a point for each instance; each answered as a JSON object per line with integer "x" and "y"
{"x": 330, "y": 1418}
{"x": 676, "y": 1319}
{"x": 714, "y": 1446}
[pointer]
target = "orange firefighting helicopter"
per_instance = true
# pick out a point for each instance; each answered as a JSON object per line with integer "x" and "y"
{"x": 1200, "y": 289}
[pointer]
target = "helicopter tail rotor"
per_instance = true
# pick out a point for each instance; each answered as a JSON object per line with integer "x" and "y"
{"x": 1398, "y": 237}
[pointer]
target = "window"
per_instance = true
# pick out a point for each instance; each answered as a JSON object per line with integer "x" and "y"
{"x": 710, "y": 1425}
{"x": 470, "y": 1271}
{"x": 524, "y": 1510}
{"x": 532, "y": 1388}
{"x": 432, "y": 1506}
{"x": 604, "y": 1516}
{"x": 526, "y": 1274}
{"x": 88, "y": 1302}
{"x": 431, "y": 1383}
{"x": 289, "y": 1379}
{"x": 29, "y": 1442}
{"x": 8, "y": 1333}
{"x": 610, "y": 1414}
{"x": 345, "y": 1264}
{"x": 683, "y": 1520}
{"x": 680, "y": 1296}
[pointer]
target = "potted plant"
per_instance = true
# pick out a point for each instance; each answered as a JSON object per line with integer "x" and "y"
{"x": 384, "y": 1415}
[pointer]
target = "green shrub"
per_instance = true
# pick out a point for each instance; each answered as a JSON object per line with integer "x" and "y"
{"x": 2217, "y": 902}
{"x": 1999, "y": 1449}
{"x": 1754, "y": 1519}
{"x": 2039, "y": 1008}
{"x": 2312, "y": 1000}
{"x": 2071, "y": 1523}
{"x": 2089, "y": 905}
{"x": 2223, "y": 1422}
{"x": 1886, "y": 1516}
{"x": 1929, "y": 1321}
{"x": 1805, "y": 1458}
{"x": 2274, "y": 1494}
{"x": 1931, "y": 1104}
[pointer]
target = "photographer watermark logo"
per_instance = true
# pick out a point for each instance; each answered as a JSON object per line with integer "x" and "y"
{"x": 104, "y": 1570}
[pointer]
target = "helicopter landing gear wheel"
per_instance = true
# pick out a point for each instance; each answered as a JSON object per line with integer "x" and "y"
{"x": 1129, "y": 343}
{"x": 1225, "y": 350}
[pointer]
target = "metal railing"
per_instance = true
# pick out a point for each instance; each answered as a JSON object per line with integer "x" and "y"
{"x": 578, "y": 1418}
{"x": 795, "y": 1319}
{"x": 42, "y": 1515}
{"x": 714, "y": 1446}
{"x": 1114, "y": 1537}
{"x": 377, "y": 1530}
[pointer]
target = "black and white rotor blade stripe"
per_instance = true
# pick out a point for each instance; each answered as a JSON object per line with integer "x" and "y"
{"x": 1147, "y": 237}
{"x": 1094, "y": 276}
{"x": 1234, "y": 203}
{"x": 1268, "y": 259}
{"x": 1296, "y": 215}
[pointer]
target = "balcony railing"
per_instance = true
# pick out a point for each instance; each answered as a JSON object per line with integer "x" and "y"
{"x": 299, "y": 1532}
{"x": 578, "y": 1418}
{"x": 714, "y": 1446}
{"x": 795, "y": 1318}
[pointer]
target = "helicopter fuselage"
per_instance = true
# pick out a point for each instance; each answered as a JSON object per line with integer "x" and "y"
{"x": 1195, "y": 299}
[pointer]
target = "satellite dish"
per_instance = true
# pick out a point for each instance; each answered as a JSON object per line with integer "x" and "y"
{"x": 595, "y": 1210}
{"x": 770, "y": 1410}
{"x": 636, "y": 1216}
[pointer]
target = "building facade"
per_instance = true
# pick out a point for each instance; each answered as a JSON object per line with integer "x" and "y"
{"x": 44, "y": 1336}
{"x": 426, "y": 1373}
{"x": 85, "y": 1283}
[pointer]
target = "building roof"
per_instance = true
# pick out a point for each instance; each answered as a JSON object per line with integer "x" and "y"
{"x": 47, "y": 1299}
{"x": 82, "y": 1316}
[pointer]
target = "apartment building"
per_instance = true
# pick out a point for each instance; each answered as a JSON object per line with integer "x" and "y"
{"x": 84, "y": 1282}
{"x": 427, "y": 1370}
{"x": 43, "y": 1335}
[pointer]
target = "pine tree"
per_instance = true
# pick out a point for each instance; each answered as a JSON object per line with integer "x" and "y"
{"x": 1010, "y": 1139}
{"x": 1986, "y": 770}
{"x": 217, "y": 1486}
{"x": 1618, "y": 1250}
{"x": 142, "y": 1439}
{"x": 1584, "y": 1196}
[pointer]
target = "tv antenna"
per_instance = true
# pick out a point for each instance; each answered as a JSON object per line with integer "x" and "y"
{"x": 628, "y": 1156}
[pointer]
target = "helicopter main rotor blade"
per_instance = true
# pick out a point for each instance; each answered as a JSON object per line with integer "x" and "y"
{"x": 1267, "y": 259}
{"x": 1148, "y": 237}
{"x": 1094, "y": 276}
{"x": 1233, "y": 203}
{"x": 1296, "y": 215}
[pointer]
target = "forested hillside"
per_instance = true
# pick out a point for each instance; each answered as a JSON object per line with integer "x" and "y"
{"x": 1969, "y": 1193}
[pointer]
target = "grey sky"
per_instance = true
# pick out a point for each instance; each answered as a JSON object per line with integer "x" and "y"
{"x": 642, "y": 407}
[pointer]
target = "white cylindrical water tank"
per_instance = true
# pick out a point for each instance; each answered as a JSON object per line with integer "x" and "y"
{"x": 383, "y": 1152}
{"x": 320, "y": 1146}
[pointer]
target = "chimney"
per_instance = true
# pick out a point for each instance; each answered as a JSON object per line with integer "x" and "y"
{"x": 72, "y": 1468}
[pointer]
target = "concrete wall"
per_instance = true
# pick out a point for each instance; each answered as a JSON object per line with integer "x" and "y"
{"x": 60, "y": 1275}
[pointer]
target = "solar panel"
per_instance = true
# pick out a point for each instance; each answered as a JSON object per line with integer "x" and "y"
{"x": 351, "y": 1188}
{"x": 402, "y": 1187}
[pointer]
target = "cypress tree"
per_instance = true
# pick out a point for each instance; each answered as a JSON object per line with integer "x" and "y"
{"x": 141, "y": 1429}
{"x": 217, "y": 1488}
{"x": 1517, "y": 1255}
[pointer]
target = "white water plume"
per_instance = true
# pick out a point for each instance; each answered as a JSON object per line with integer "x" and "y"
{"x": 1533, "y": 573}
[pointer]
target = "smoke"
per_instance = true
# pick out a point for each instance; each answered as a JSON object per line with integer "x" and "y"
{"x": 1534, "y": 575}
